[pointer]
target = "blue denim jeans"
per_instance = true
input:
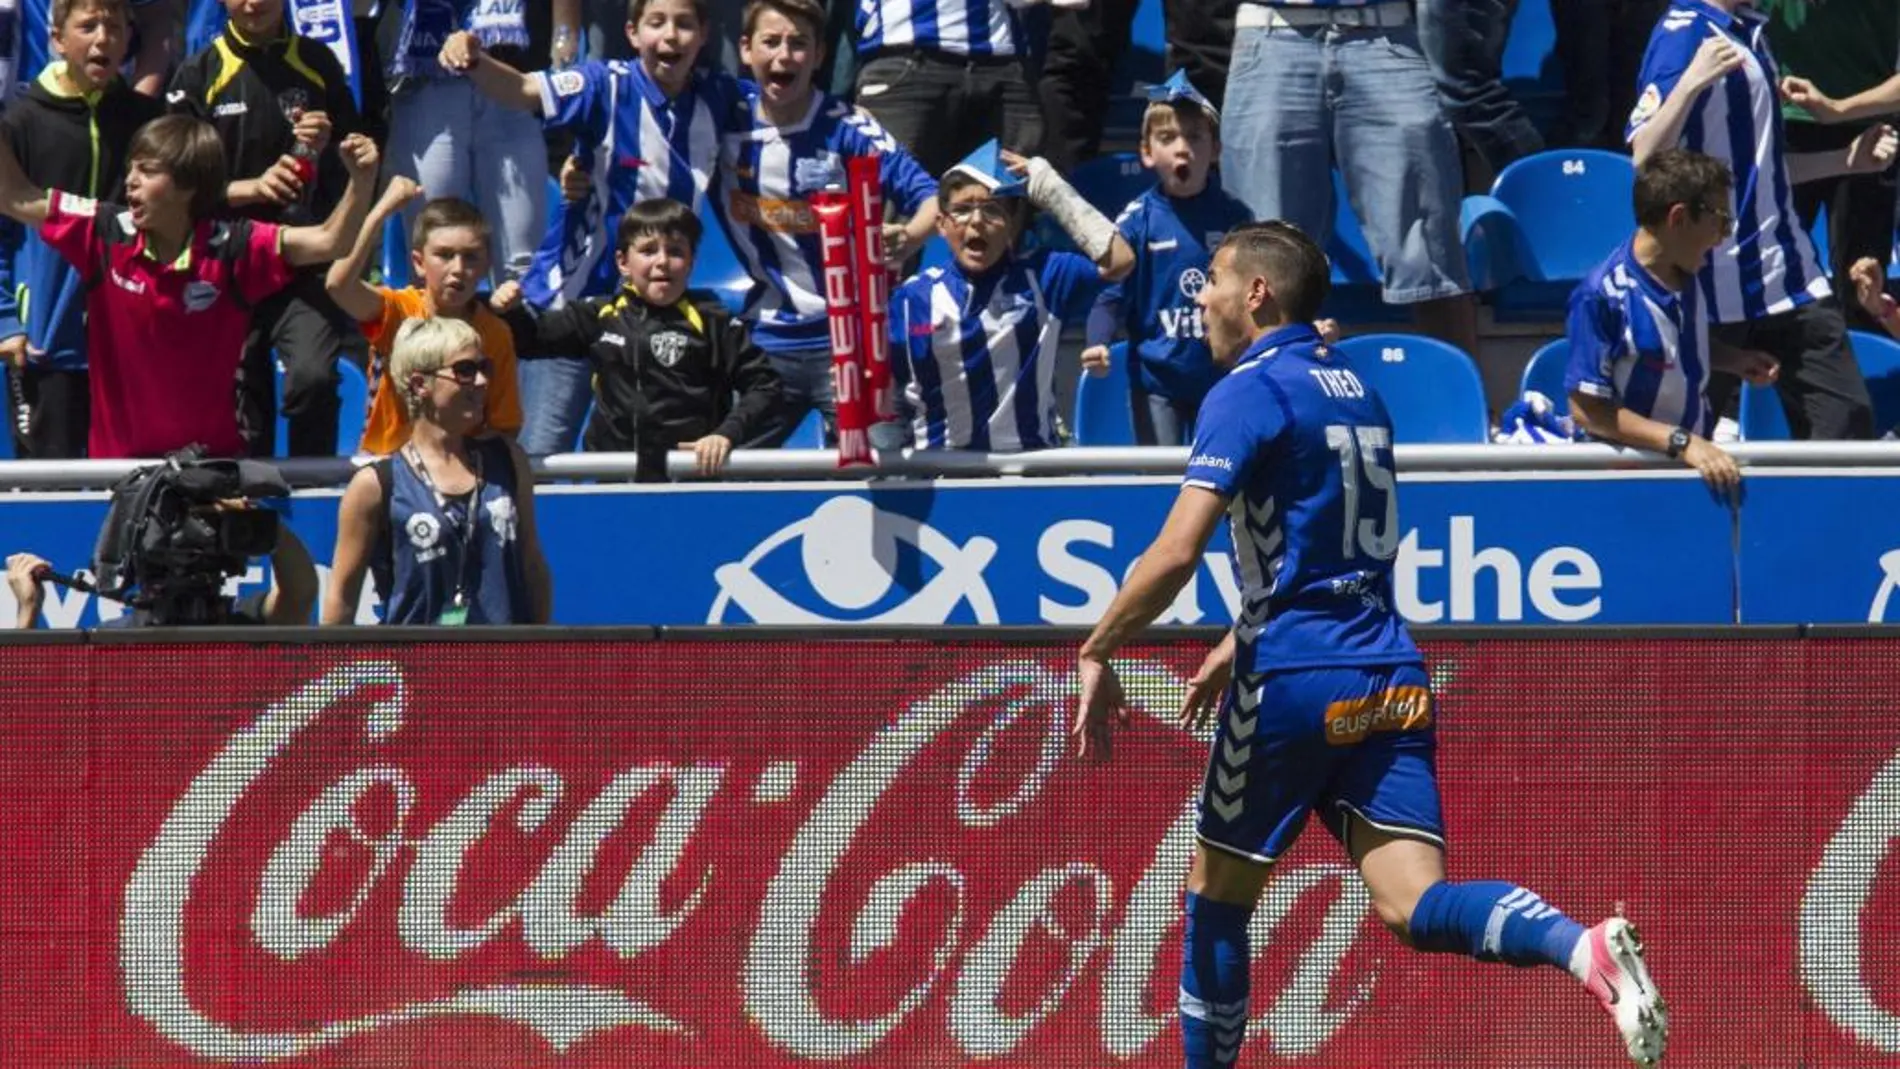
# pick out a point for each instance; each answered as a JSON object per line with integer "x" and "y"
{"x": 458, "y": 143}
{"x": 1301, "y": 101}
{"x": 1464, "y": 39}
{"x": 556, "y": 393}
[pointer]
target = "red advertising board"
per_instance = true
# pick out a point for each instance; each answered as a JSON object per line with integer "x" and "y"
{"x": 698, "y": 853}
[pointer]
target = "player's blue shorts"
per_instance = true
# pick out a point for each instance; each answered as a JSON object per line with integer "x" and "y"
{"x": 1353, "y": 739}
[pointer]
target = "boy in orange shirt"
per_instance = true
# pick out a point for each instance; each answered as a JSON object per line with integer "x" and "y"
{"x": 451, "y": 256}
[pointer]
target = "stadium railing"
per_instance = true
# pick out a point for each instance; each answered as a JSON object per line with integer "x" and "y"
{"x": 805, "y": 464}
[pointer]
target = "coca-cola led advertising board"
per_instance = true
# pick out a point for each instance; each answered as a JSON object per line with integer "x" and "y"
{"x": 877, "y": 854}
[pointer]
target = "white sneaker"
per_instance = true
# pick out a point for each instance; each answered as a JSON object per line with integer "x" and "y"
{"x": 1609, "y": 961}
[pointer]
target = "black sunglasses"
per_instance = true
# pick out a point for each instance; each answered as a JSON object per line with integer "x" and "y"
{"x": 467, "y": 371}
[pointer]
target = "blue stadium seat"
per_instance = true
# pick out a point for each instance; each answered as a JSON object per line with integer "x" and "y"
{"x": 1763, "y": 419}
{"x": 809, "y": 434}
{"x": 717, "y": 268}
{"x": 1356, "y": 278}
{"x": 1109, "y": 182}
{"x": 395, "y": 254}
{"x": 936, "y": 253}
{"x": 352, "y": 407}
{"x": 1431, "y": 389}
{"x": 1351, "y": 257}
{"x": 353, "y": 395}
{"x": 1102, "y": 416}
{"x": 1818, "y": 232}
{"x": 1549, "y": 220}
{"x": 1545, "y": 372}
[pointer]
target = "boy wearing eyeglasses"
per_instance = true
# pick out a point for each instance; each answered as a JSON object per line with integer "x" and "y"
{"x": 670, "y": 371}
{"x": 974, "y": 341}
{"x": 1638, "y": 326}
{"x": 450, "y": 254}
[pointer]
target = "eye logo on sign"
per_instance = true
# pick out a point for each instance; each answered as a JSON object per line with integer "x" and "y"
{"x": 1193, "y": 281}
{"x": 1889, "y": 582}
{"x": 857, "y": 559}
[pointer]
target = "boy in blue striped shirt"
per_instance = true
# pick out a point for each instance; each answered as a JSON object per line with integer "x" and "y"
{"x": 642, "y": 131}
{"x": 1640, "y": 351}
{"x": 791, "y": 142}
{"x": 973, "y": 342}
{"x": 1710, "y": 85}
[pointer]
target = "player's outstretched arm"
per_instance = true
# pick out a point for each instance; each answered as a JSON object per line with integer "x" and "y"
{"x": 1164, "y": 568}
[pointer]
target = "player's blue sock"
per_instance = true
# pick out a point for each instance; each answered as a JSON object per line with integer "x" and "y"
{"x": 1493, "y": 921}
{"x": 1214, "y": 982}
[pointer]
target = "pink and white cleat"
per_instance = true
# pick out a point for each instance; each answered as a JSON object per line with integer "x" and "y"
{"x": 1609, "y": 961}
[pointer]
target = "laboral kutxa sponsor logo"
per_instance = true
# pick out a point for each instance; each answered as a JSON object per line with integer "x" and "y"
{"x": 851, "y": 561}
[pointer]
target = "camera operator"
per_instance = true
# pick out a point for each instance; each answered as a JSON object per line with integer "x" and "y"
{"x": 175, "y": 532}
{"x": 289, "y": 601}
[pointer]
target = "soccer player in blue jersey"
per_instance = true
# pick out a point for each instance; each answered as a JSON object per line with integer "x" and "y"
{"x": 791, "y": 141}
{"x": 1640, "y": 351}
{"x": 1325, "y": 702}
{"x": 974, "y": 341}
{"x": 645, "y": 130}
{"x": 1172, "y": 227}
{"x": 1710, "y": 85}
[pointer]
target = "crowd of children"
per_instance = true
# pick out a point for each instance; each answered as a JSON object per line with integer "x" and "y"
{"x": 166, "y": 283}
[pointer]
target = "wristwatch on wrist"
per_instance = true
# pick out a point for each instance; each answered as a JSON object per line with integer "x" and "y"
{"x": 1678, "y": 441}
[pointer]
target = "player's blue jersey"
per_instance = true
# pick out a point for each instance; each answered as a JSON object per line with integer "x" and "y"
{"x": 1173, "y": 239}
{"x": 767, "y": 175}
{"x": 1640, "y": 345}
{"x": 1301, "y": 447}
{"x": 958, "y": 27}
{"x": 977, "y": 356}
{"x": 639, "y": 144}
{"x": 1768, "y": 265}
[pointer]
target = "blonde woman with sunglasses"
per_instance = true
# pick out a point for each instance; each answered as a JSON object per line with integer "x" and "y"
{"x": 446, "y": 523}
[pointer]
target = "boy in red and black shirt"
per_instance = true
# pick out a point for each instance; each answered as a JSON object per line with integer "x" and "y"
{"x": 170, "y": 289}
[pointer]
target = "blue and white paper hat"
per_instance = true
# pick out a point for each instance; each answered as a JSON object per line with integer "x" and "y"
{"x": 1177, "y": 90}
{"x": 986, "y": 166}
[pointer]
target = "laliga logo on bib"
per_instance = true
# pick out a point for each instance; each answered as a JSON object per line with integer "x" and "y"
{"x": 859, "y": 564}
{"x": 1890, "y": 581}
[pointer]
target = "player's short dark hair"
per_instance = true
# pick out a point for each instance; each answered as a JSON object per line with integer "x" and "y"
{"x": 1677, "y": 176}
{"x": 446, "y": 213}
{"x": 190, "y": 152}
{"x": 661, "y": 217}
{"x": 63, "y": 8}
{"x": 1291, "y": 262}
{"x": 637, "y": 8}
{"x": 809, "y": 12}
